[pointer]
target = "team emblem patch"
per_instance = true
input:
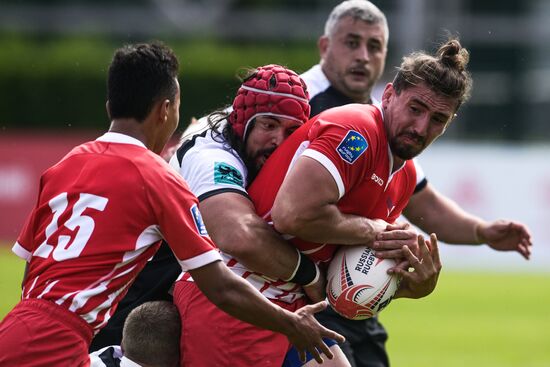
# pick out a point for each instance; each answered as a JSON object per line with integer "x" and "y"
{"x": 227, "y": 174}
{"x": 197, "y": 218}
{"x": 352, "y": 146}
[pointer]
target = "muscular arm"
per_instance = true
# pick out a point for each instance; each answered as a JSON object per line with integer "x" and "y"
{"x": 306, "y": 207}
{"x": 433, "y": 212}
{"x": 239, "y": 299}
{"x": 240, "y": 232}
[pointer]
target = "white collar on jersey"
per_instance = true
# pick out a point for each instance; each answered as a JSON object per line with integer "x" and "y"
{"x": 125, "y": 362}
{"x": 316, "y": 80}
{"x": 112, "y": 137}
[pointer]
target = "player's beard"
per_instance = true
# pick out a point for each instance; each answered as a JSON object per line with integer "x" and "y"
{"x": 253, "y": 164}
{"x": 406, "y": 150}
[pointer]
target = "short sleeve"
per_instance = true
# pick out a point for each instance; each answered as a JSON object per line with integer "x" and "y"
{"x": 346, "y": 150}
{"x": 26, "y": 242}
{"x": 211, "y": 170}
{"x": 180, "y": 221}
{"x": 421, "y": 179}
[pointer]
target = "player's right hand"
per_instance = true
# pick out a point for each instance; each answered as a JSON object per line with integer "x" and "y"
{"x": 389, "y": 243}
{"x": 308, "y": 334}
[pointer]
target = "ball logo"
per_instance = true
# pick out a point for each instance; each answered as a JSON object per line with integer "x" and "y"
{"x": 347, "y": 304}
{"x": 358, "y": 285}
{"x": 365, "y": 262}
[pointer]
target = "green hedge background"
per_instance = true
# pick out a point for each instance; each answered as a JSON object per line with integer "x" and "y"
{"x": 59, "y": 83}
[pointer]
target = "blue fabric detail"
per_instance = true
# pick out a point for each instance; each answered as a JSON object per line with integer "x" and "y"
{"x": 292, "y": 358}
{"x": 352, "y": 146}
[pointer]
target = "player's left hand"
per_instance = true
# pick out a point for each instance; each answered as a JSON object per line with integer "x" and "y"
{"x": 421, "y": 281}
{"x": 308, "y": 329}
{"x": 389, "y": 244}
{"x": 504, "y": 235}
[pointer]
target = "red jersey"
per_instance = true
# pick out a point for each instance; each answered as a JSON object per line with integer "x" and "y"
{"x": 350, "y": 142}
{"x": 101, "y": 213}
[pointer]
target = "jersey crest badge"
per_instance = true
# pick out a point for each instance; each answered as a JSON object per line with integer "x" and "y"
{"x": 197, "y": 218}
{"x": 352, "y": 146}
{"x": 227, "y": 174}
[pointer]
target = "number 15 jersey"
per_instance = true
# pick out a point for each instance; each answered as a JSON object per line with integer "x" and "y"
{"x": 100, "y": 215}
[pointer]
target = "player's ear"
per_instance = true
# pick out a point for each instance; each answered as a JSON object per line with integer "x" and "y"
{"x": 322, "y": 44}
{"x": 108, "y": 110}
{"x": 163, "y": 110}
{"x": 387, "y": 95}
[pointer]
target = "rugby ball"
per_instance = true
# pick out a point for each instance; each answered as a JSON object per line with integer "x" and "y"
{"x": 358, "y": 285}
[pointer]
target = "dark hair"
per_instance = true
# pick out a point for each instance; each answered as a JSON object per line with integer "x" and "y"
{"x": 444, "y": 73}
{"x": 223, "y": 131}
{"x": 225, "y": 134}
{"x": 151, "y": 334}
{"x": 139, "y": 76}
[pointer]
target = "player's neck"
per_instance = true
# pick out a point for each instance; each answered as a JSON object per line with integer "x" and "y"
{"x": 129, "y": 127}
{"x": 397, "y": 163}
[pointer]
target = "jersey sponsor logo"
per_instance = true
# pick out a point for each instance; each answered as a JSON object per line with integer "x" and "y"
{"x": 352, "y": 146}
{"x": 227, "y": 174}
{"x": 377, "y": 179}
{"x": 197, "y": 218}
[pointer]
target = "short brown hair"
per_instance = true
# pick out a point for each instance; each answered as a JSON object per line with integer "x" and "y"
{"x": 151, "y": 334}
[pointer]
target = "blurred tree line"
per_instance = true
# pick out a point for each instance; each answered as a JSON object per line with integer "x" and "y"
{"x": 54, "y": 54}
{"x": 59, "y": 83}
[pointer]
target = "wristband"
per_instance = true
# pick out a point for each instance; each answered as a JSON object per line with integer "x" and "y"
{"x": 306, "y": 271}
{"x": 317, "y": 275}
{"x": 296, "y": 268}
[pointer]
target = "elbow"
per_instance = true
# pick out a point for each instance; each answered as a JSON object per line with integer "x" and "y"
{"x": 221, "y": 299}
{"x": 225, "y": 296}
{"x": 234, "y": 244}
{"x": 218, "y": 284}
{"x": 284, "y": 225}
{"x": 239, "y": 241}
{"x": 288, "y": 221}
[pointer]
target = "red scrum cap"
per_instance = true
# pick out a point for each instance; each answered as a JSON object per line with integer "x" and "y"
{"x": 271, "y": 90}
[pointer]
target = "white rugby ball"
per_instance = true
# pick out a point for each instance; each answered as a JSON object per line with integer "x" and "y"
{"x": 358, "y": 285}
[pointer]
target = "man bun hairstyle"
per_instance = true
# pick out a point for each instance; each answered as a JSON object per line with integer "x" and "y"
{"x": 270, "y": 90}
{"x": 443, "y": 73}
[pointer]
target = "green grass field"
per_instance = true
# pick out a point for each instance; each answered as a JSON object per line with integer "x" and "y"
{"x": 485, "y": 320}
{"x": 11, "y": 273}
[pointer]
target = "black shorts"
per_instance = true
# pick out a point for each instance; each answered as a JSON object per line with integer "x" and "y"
{"x": 365, "y": 344}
